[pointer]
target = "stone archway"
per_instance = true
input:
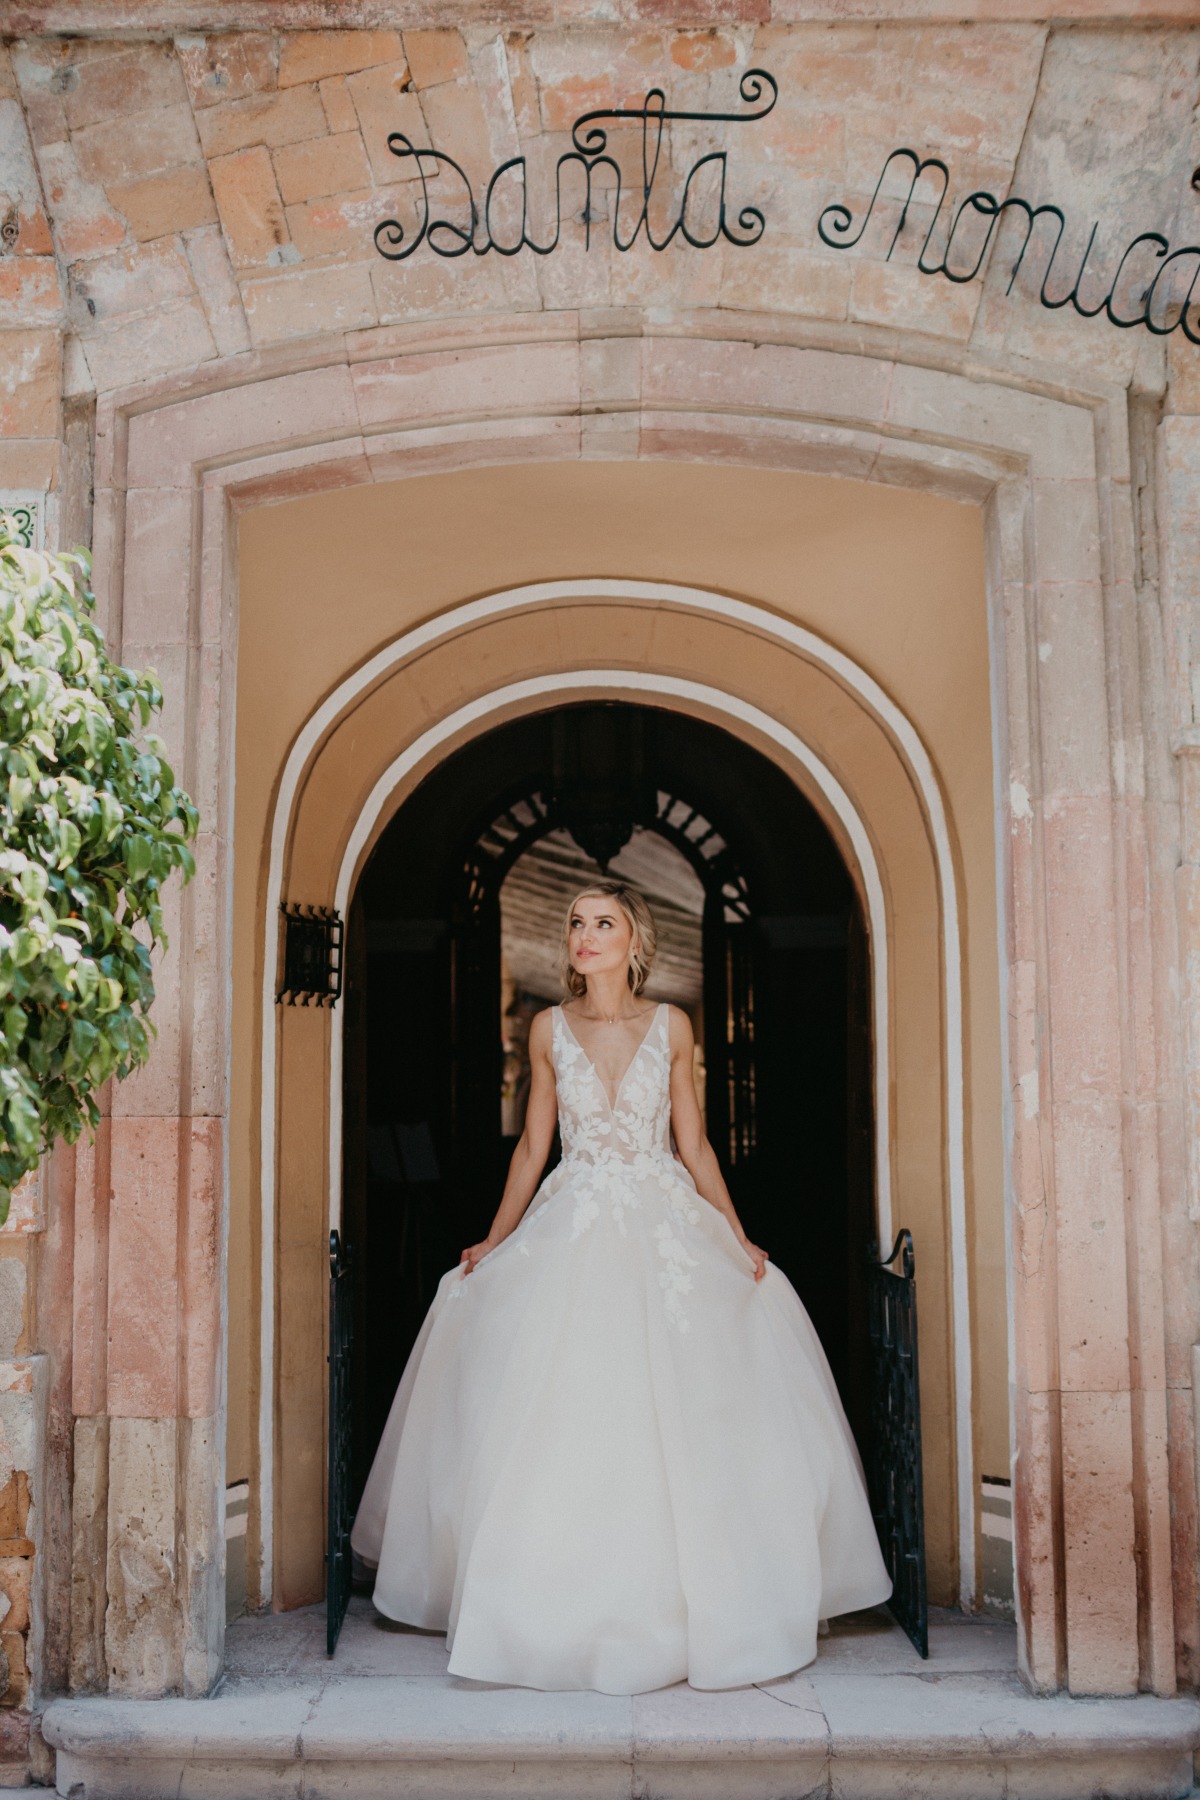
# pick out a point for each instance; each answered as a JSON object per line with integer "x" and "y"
{"x": 895, "y": 814}
{"x": 174, "y": 470}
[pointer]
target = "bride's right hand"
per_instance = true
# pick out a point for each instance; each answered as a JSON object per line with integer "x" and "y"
{"x": 758, "y": 1257}
{"x": 475, "y": 1255}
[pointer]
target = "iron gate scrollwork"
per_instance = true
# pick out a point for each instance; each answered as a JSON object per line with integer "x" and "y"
{"x": 341, "y": 1515}
{"x": 894, "y": 1459}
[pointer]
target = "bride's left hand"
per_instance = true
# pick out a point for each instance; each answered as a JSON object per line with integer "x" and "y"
{"x": 758, "y": 1257}
{"x": 472, "y": 1257}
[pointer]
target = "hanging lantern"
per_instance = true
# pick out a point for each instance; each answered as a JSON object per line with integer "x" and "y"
{"x": 600, "y": 762}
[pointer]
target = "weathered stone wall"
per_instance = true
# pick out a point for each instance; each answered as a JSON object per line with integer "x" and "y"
{"x": 179, "y": 203}
{"x": 190, "y": 221}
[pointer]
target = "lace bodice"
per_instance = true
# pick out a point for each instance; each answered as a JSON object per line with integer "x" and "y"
{"x": 637, "y": 1124}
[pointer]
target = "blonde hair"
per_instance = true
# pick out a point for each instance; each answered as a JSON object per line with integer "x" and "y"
{"x": 641, "y": 921}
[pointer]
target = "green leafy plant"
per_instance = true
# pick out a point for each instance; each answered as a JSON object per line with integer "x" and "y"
{"x": 91, "y": 827}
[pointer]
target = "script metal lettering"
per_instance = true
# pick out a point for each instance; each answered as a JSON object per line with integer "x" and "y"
{"x": 590, "y": 140}
{"x": 1134, "y": 295}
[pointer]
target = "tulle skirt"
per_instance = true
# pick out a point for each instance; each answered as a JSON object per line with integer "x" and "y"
{"x": 615, "y": 1461}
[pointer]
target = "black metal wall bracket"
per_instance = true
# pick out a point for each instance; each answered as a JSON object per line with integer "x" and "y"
{"x": 312, "y": 956}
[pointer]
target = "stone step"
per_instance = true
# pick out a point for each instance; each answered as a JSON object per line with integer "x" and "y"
{"x": 377, "y": 1737}
{"x": 384, "y": 1721}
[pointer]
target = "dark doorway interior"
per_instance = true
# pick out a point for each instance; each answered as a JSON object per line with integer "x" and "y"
{"x": 785, "y": 1012}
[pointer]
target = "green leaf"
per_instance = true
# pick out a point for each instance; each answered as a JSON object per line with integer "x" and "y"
{"x": 112, "y": 816}
{"x": 33, "y": 882}
{"x": 25, "y": 946}
{"x": 108, "y": 994}
{"x": 20, "y": 793}
{"x": 70, "y": 842}
{"x": 24, "y": 1124}
{"x": 139, "y": 856}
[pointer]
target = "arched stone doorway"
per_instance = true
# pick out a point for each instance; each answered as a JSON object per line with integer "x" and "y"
{"x": 873, "y": 807}
{"x": 200, "y": 485}
{"x": 1053, "y": 443}
{"x": 785, "y": 1011}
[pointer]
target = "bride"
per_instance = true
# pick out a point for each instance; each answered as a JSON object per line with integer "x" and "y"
{"x": 617, "y": 1458}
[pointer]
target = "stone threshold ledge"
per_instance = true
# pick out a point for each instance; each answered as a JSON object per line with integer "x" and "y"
{"x": 867, "y": 1721}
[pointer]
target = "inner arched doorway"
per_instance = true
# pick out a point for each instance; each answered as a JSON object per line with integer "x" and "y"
{"x": 784, "y": 1011}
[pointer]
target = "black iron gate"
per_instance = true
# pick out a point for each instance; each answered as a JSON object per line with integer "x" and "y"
{"x": 894, "y": 1444}
{"x": 341, "y": 1516}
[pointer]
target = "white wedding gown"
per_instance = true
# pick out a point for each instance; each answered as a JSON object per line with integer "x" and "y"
{"x": 615, "y": 1461}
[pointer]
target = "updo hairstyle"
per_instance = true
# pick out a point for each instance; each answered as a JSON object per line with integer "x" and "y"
{"x": 645, "y": 935}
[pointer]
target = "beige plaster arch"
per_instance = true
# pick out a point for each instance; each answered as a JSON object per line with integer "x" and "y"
{"x": 685, "y": 647}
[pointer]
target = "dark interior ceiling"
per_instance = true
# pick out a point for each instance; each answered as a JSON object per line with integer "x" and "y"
{"x": 784, "y": 849}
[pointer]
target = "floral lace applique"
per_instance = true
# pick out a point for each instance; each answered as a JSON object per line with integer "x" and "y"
{"x": 623, "y": 1194}
{"x": 591, "y": 1126}
{"x": 618, "y": 1159}
{"x": 583, "y": 1114}
{"x": 639, "y": 1117}
{"x": 674, "y": 1279}
{"x": 683, "y": 1201}
{"x": 587, "y": 1211}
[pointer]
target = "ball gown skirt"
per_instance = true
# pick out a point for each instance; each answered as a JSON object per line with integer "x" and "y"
{"x": 615, "y": 1461}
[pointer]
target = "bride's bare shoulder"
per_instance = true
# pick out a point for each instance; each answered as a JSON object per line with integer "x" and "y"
{"x": 680, "y": 1028}
{"x": 540, "y": 1028}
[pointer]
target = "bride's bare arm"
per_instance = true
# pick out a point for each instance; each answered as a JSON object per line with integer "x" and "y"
{"x": 695, "y": 1152}
{"x": 533, "y": 1145}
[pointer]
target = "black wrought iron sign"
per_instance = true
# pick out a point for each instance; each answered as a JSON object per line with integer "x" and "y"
{"x": 1153, "y": 285}
{"x": 1137, "y": 294}
{"x": 630, "y": 215}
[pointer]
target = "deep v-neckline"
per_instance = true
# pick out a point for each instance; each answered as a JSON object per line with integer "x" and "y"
{"x": 613, "y": 1098}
